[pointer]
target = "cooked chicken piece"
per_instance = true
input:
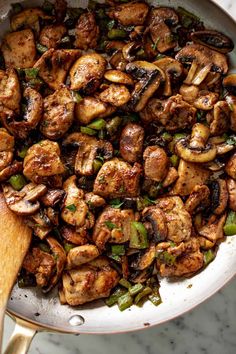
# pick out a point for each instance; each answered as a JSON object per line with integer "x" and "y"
{"x": 10, "y": 94}
{"x": 113, "y": 225}
{"x": 75, "y": 211}
{"x": 42, "y": 160}
{"x": 179, "y": 222}
{"x": 170, "y": 178}
{"x": 54, "y": 65}
{"x": 58, "y": 114}
{"x": 19, "y": 49}
{"x": 94, "y": 201}
{"x": 231, "y": 185}
{"x": 174, "y": 113}
{"x": 190, "y": 175}
{"x": 117, "y": 178}
{"x": 41, "y": 264}
{"x": 87, "y": 72}
{"x": 7, "y": 141}
{"x": 28, "y": 18}
{"x": 230, "y": 166}
{"x": 86, "y": 32}
{"x": 88, "y": 282}
{"x": 78, "y": 237}
{"x": 88, "y": 109}
{"x": 80, "y": 255}
{"x": 51, "y": 35}
{"x": 184, "y": 265}
{"x": 129, "y": 14}
{"x": 220, "y": 119}
{"x": 131, "y": 142}
{"x": 214, "y": 231}
{"x": 6, "y": 158}
{"x": 156, "y": 163}
{"x": 117, "y": 95}
{"x": 199, "y": 195}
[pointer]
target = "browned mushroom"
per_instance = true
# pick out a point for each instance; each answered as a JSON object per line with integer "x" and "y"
{"x": 214, "y": 40}
{"x": 158, "y": 222}
{"x": 199, "y": 195}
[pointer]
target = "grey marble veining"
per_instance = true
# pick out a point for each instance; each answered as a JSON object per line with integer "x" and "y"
{"x": 208, "y": 329}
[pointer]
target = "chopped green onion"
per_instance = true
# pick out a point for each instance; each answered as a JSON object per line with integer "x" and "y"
{"x": 113, "y": 125}
{"x": 125, "y": 301}
{"x": 154, "y": 45}
{"x": 230, "y": 224}
{"x": 116, "y": 33}
{"x": 113, "y": 298}
{"x": 31, "y": 73}
{"x": 166, "y": 136}
{"x": 135, "y": 289}
{"x": 97, "y": 124}
{"x": 41, "y": 48}
{"x": 118, "y": 250}
{"x": 22, "y": 153}
{"x": 179, "y": 136}
{"x": 44, "y": 247}
{"x": 17, "y": 182}
{"x": 88, "y": 131}
{"x": 208, "y": 257}
{"x": 110, "y": 225}
{"x": 145, "y": 292}
{"x": 125, "y": 283}
{"x": 138, "y": 237}
{"x": 97, "y": 164}
{"x": 116, "y": 203}
{"x": 71, "y": 207}
{"x": 77, "y": 97}
{"x": 174, "y": 159}
{"x": 155, "y": 298}
{"x": 116, "y": 258}
{"x": 68, "y": 247}
{"x": 166, "y": 257}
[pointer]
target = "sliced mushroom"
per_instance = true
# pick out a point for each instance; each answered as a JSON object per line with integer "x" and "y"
{"x": 118, "y": 77}
{"x": 87, "y": 72}
{"x": 202, "y": 60}
{"x": 190, "y": 174}
{"x": 149, "y": 78}
{"x": 145, "y": 259}
{"x": 118, "y": 61}
{"x": 24, "y": 202}
{"x": 58, "y": 114}
{"x": 116, "y": 95}
{"x": 156, "y": 163}
{"x": 205, "y": 100}
{"x": 214, "y": 40}
{"x": 214, "y": 231}
{"x": 28, "y": 18}
{"x": 54, "y": 65}
{"x": 231, "y": 186}
{"x": 170, "y": 178}
{"x": 158, "y": 222}
{"x": 117, "y": 178}
{"x": 51, "y": 35}
{"x": 86, "y": 32}
{"x": 52, "y": 197}
{"x": 40, "y": 223}
{"x": 129, "y": 14}
{"x": 199, "y": 195}
{"x": 75, "y": 236}
{"x": 19, "y": 49}
{"x": 42, "y": 161}
{"x": 131, "y": 142}
{"x": 10, "y": 170}
{"x": 10, "y": 94}
{"x": 229, "y": 83}
{"x": 196, "y": 150}
{"x": 173, "y": 71}
{"x": 160, "y": 19}
{"x": 219, "y": 196}
{"x": 80, "y": 255}
{"x": 88, "y": 109}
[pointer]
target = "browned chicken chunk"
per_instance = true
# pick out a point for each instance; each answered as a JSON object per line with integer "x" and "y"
{"x": 86, "y": 32}
{"x": 129, "y": 14}
{"x": 10, "y": 94}
{"x": 131, "y": 142}
{"x": 51, "y": 35}
{"x": 156, "y": 163}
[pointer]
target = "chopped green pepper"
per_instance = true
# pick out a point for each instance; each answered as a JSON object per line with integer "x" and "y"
{"x": 125, "y": 301}
{"x": 31, "y": 73}
{"x": 116, "y": 203}
{"x": 17, "y": 181}
{"x": 125, "y": 283}
{"x": 41, "y": 48}
{"x": 135, "y": 289}
{"x": 113, "y": 125}
{"x": 68, "y": 247}
{"x": 97, "y": 164}
{"x": 155, "y": 298}
{"x": 118, "y": 250}
{"x": 209, "y": 255}
{"x": 145, "y": 292}
{"x": 97, "y": 124}
{"x": 166, "y": 136}
{"x": 174, "y": 159}
{"x": 166, "y": 257}
{"x": 77, "y": 97}
{"x": 138, "y": 237}
{"x": 22, "y": 153}
{"x": 116, "y": 33}
{"x": 230, "y": 224}
{"x": 113, "y": 298}
{"x": 71, "y": 207}
{"x": 88, "y": 131}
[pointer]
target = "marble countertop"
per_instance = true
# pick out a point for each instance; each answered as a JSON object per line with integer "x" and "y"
{"x": 210, "y": 328}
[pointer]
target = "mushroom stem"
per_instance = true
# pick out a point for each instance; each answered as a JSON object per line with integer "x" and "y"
{"x": 199, "y": 136}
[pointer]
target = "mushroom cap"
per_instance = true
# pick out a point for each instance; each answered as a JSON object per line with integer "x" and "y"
{"x": 214, "y": 40}
{"x": 229, "y": 83}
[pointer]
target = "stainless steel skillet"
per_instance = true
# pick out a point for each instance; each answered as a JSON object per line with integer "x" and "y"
{"x": 34, "y": 311}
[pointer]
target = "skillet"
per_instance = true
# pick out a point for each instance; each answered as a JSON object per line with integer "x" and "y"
{"x": 34, "y": 311}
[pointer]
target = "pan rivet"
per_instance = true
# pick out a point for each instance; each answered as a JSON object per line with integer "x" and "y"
{"x": 76, "y": 320}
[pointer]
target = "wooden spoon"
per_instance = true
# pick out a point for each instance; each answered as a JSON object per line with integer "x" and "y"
{"x": 15, "y": 238}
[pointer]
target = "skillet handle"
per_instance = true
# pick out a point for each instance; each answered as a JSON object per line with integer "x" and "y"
{"x": 21, "y": 338}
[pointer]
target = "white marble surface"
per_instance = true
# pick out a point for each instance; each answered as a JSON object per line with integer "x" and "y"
{"x": 208, "y": 329}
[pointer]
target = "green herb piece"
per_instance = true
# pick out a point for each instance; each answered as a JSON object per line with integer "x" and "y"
{"x": 41, "y": 48}
{"x": 31, "y": 73}
{"x": 17, "y": 181}
{"x": 97, "y": 124}
{"x": 88, "y": 131}
{"x": 125, "y": 283}
{"x": 116, "y": 33}
{"x": 115, "y": 258}
{"x": 209, "y": 255}
{"x": 125, "y": 301}
{"x": 154, "y": 45}
{"x": 145, "y": 292}
{"x": 44, "y": 247}
{"x": 116, "y": 203}
{"x": 135, "y": 289}
{"x": 22, "y": 153}
{"x": 166, "y": 136}
{"x": 97, "y": 164}
{"x": 118, "y": 250}
{"x": 68, "y": 247}
{"x": 174, "y": 159}
{"x": 143, "y": 202}
{"x": 77, "y": 97}
{"x": 113, "y": 125}
{"x": 113, "y": 298}
{"x": 71, "y": 207}
{"x": 230, "y": 224}
{"x": 166, "y": 257}
{"x": 138, "y": 237}
{"x": 110, "y": 225}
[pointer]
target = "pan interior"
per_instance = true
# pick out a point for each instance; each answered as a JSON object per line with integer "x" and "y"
{"x": 179, "y": 296}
